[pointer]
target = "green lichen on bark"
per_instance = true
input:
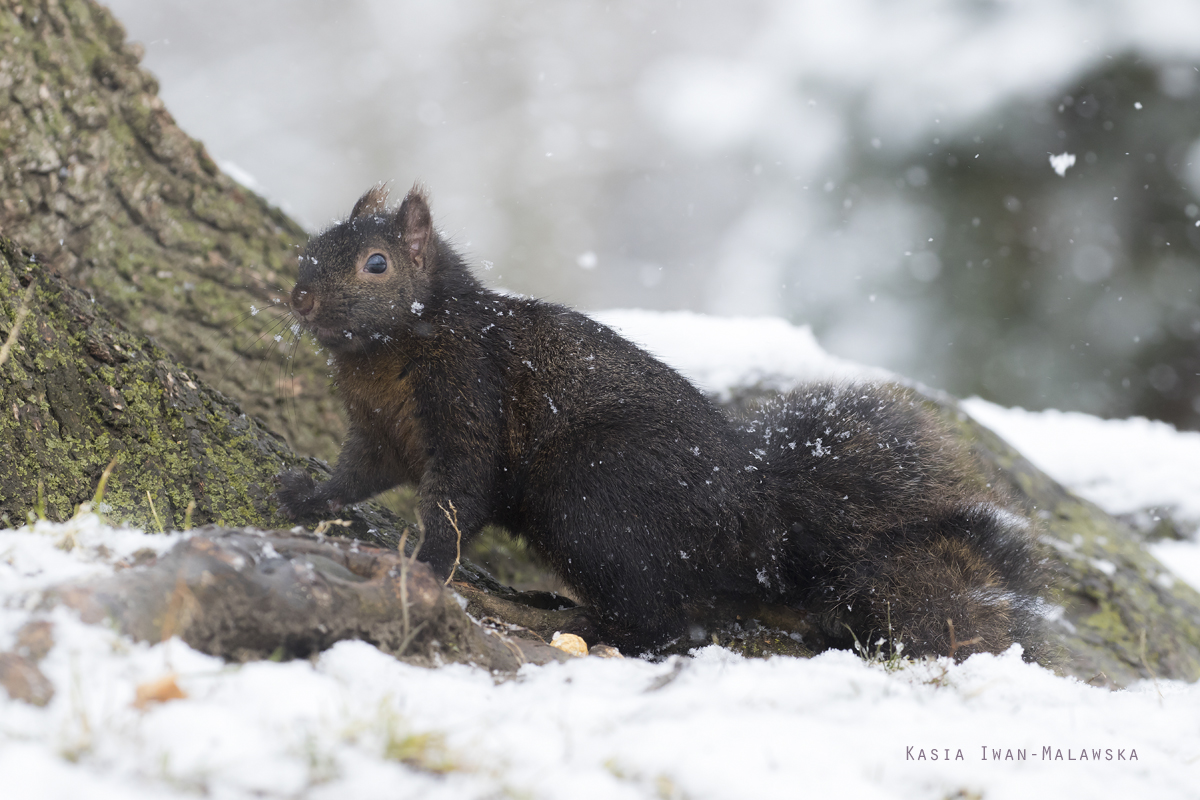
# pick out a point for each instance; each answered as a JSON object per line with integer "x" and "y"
{"x": 98, "y": 179}
{"x": 79, "y": 390}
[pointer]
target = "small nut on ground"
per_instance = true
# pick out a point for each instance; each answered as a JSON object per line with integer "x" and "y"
{"x": 569, "y": 643}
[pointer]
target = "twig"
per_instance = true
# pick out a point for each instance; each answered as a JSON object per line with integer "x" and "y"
{"x": 409, "y": 632}
{"x": 40, "y": 508}
{"x": 22, "y": 312}
{"x": 104, "y": 476}
{"x": 1146, "y": 664}
{"x": 955, "y": 644}
{"x": 324, "y": 525}
{"x": 181, "y": 610}
{"x": 458, "y": 540}
{"x": 403, "y": 585}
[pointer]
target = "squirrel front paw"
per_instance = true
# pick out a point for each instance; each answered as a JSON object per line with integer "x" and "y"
{"x": 299, "y": 496}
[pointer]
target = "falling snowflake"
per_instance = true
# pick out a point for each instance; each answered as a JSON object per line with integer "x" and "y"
{"x": 1062, "y": 162}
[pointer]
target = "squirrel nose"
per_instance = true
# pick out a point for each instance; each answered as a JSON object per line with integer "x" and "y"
{"x": 303, "y": 301}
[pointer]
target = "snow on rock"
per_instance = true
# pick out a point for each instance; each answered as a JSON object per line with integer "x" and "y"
{"x": 720, "y": 353}
{"x": 1182, "y": 558}
{"x": 1124, "y": 466}
{"x": 34, "y": 557}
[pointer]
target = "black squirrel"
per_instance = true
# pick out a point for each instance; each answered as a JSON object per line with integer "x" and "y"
{"x": 848, "y": 501}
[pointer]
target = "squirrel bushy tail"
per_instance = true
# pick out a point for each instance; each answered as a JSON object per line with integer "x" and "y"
{"x": 890, "y": 531}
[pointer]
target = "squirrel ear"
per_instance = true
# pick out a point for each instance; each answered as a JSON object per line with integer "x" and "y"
{"x": 415, "y": 225}
{"x": 373, "y": 202}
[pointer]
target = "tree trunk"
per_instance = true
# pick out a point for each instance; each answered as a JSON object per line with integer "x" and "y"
{"x": 79, "y": 391}
{"x": 99, "y": 181}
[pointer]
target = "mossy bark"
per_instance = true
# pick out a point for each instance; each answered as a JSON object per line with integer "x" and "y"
{"x": 79, "y": 390}
{"x": 99, "y": 181}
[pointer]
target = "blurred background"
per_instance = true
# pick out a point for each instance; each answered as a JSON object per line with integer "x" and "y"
{"x": 878, "y": 169}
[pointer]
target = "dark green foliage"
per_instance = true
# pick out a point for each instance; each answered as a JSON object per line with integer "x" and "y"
{"x": 1077, "y": 292}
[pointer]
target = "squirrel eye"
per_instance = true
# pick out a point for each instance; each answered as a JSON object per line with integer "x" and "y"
{"x": 377, "y": 264}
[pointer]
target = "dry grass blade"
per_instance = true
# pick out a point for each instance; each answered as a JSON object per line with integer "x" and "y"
{"x": 22, "y": 313}
{"x": 453, "y": 520}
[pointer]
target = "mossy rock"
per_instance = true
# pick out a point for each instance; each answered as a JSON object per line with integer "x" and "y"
{"x": 1124, "y": 616}
{"x": 1116, "y": 614}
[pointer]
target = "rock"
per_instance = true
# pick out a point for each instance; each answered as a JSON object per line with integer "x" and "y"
{"x": 23, "y": 681}
{"x": 19, "y": 672}
{"x": 34, "y": 639}
{"x": 1118, "y": 614}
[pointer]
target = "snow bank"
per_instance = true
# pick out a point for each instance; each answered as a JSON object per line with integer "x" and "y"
{"x": 721, "y": 353}
{"x": 1123, "y": 465}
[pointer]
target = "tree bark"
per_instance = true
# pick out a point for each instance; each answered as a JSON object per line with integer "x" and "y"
{"x": 99, "y": 181}
{"x": 80, "y": 392}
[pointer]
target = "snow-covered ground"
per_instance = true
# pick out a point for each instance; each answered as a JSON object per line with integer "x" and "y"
{"x": 357, "y": 723}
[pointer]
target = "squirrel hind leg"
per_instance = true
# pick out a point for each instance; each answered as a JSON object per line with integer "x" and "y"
{"x": 949, "y": 601}
{"x": 634, "y": 609}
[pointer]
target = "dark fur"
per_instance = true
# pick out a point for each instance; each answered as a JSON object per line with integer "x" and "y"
{"x": 847, "y": 501}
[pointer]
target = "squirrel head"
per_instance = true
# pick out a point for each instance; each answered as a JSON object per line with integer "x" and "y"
{"x": 370, "y": 278}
